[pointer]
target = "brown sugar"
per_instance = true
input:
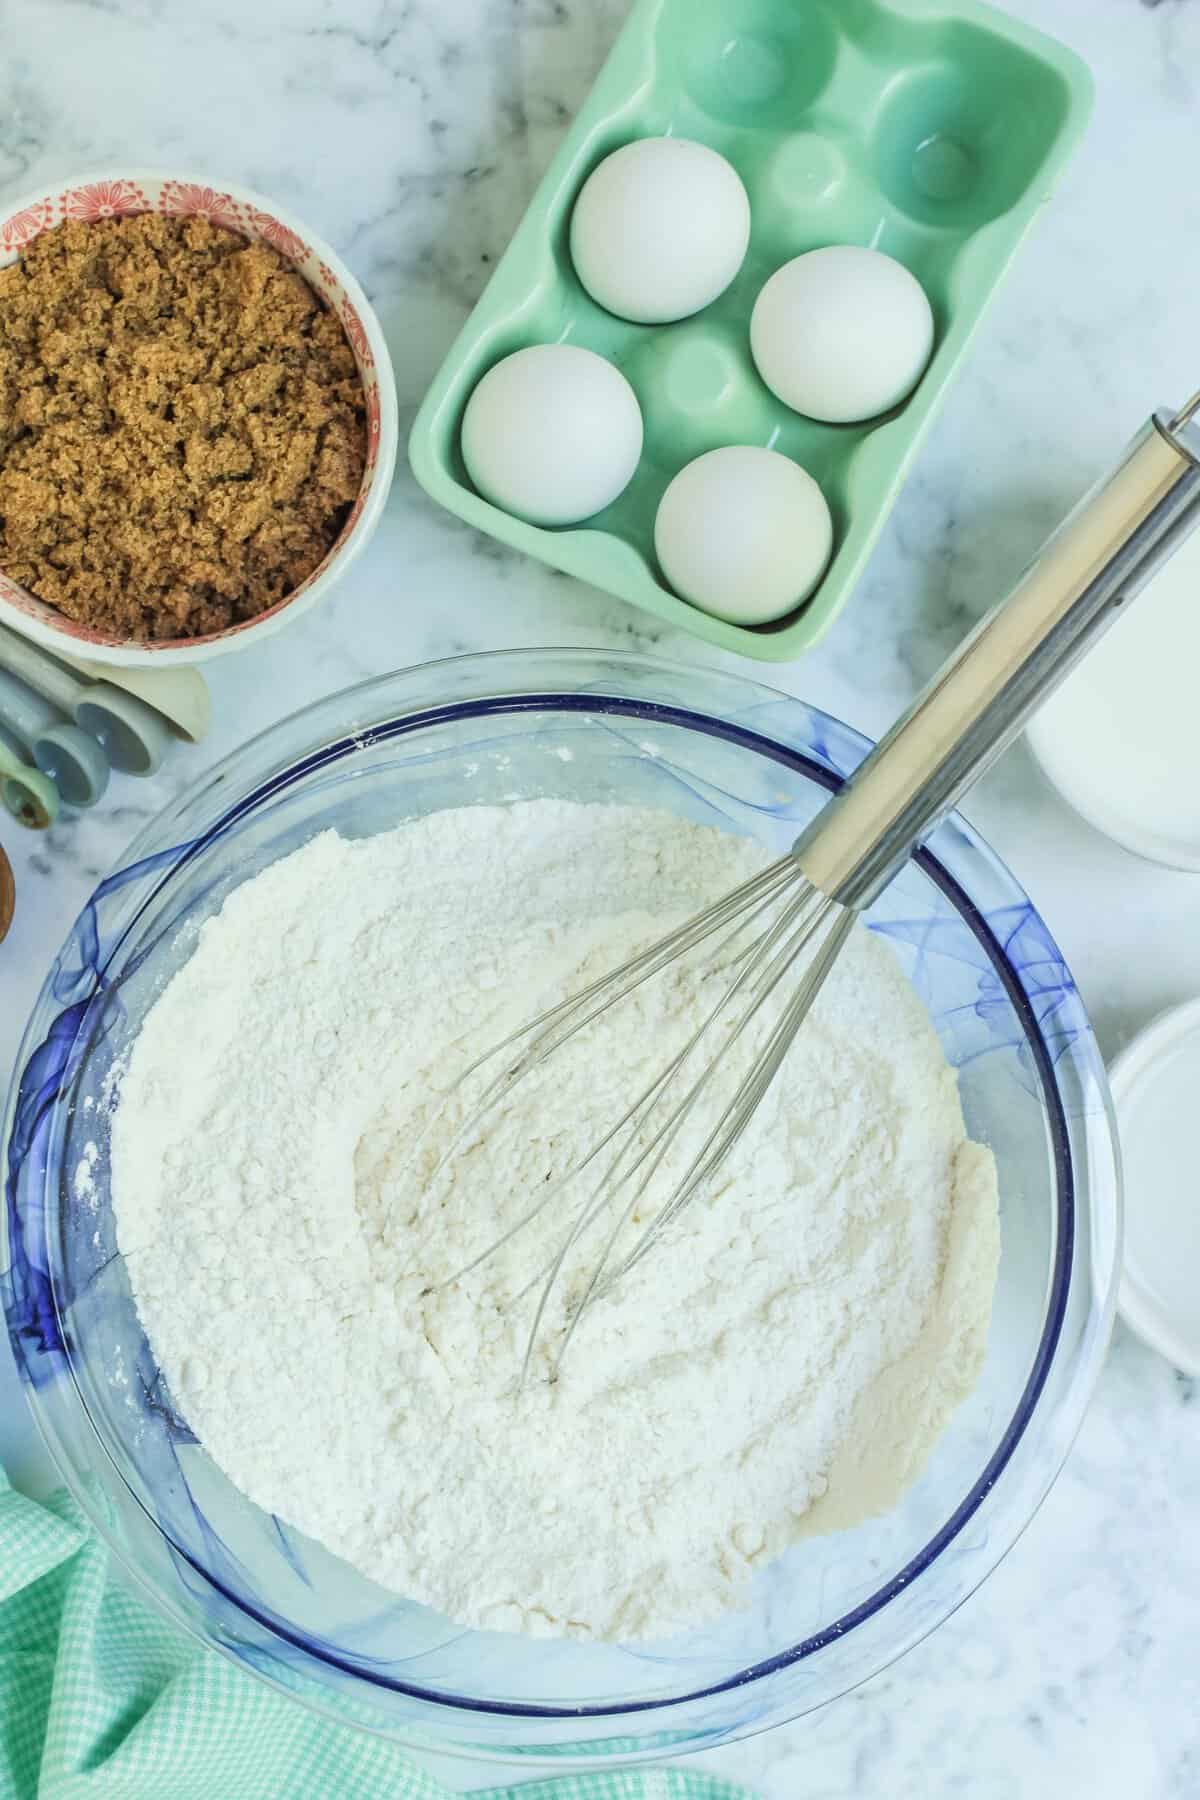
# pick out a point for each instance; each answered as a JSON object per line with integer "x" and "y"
{"x": 182, "y": 426}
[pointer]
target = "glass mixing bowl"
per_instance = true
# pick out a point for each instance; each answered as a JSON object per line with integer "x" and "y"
{"x": 582, "y": 726}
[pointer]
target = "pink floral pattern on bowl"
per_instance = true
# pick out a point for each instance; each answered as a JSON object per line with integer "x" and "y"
{"x": 120, "y": 197}
{"x": 182, "y": 199}
{"x": 22, "y": 227}
{"x": 104, "y": 200}
{"x": 282, "y": 238}
{"x": 356, "y": 333}
{"x": 374, "y": 423}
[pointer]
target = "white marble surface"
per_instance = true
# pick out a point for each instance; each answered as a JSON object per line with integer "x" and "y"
{"x": 410, "y": 133}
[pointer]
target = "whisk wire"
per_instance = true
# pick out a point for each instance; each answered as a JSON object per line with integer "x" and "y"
{"x": 616, "y": 1177}
{"x": 643, "y": 1104}
{"x": 724, "y": 1135}
{"x": 755, "y": 951}
{"x": 796, "y": 926}
{"x": 550, "y": 1029}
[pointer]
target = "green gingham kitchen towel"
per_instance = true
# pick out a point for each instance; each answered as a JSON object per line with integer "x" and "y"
{"x": 101, "y": 1699}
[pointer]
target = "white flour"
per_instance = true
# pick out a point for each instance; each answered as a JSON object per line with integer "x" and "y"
{"x": 785, "y": 1361}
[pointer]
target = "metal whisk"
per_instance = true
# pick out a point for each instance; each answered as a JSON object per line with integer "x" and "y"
{"x": 774, "y": 940}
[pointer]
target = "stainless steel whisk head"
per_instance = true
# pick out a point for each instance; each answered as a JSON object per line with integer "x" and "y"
{"x": 761, "y": 929}
{"x": 773, "y": 941}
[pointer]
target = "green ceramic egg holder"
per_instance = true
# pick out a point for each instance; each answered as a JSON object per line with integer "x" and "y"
{"x": 932, "y": 131}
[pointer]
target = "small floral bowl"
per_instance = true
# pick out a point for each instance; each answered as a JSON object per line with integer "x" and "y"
{"x": 237, "y": 209}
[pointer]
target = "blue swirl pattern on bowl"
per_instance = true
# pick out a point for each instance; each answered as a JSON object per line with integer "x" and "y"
{"x": 492, "y": 729}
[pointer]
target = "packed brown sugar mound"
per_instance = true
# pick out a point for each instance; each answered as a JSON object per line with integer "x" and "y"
{"x": 182, "y": 426}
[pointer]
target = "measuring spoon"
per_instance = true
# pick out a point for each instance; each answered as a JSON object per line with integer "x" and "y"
{"x": 133, "y": 736}
{"x": 71, "y": 758}
{"x": 30, "y": 797}
{"x": 180, "y": 695}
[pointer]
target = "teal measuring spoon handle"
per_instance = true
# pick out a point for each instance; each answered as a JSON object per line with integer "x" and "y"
{"x": 39, "y": 671}
{"x": 22, "y": 710}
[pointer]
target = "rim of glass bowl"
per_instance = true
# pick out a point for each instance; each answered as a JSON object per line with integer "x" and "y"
{"x": 494, "y": 699}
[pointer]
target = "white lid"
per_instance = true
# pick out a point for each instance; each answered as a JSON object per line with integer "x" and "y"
{"x": 1156, "y": 1090}
{"x": 1120, "y": 739}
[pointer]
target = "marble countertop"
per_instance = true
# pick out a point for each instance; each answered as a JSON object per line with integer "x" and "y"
{"x": 410, "y": 133}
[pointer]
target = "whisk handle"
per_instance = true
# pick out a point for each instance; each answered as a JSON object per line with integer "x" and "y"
{"x": 1103, "y": 553}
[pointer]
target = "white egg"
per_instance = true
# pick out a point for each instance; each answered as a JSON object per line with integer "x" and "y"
{"x": 660, "y": 228}
{"x": 744, "y": 533}
{"x": 552, "y": 434}
{"x": 842, "y": 334}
